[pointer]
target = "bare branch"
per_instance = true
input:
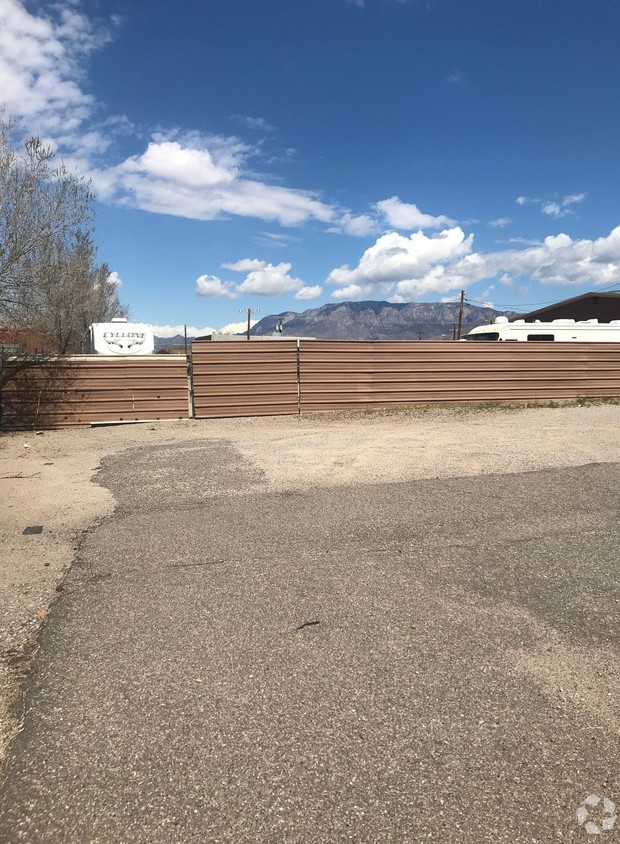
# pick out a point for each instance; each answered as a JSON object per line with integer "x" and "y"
{"x": 50, "y": 282}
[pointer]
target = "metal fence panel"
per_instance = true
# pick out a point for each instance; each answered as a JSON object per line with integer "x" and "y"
{"x": 245, "y": 379}
{"x": 341, "y": 375}
{"x": 284, "y": 377}
{"x": 80, "y": 391}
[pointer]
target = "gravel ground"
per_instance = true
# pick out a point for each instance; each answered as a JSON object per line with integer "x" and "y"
{"x": 462, "y": 681}
{"x": 46, "y": 481}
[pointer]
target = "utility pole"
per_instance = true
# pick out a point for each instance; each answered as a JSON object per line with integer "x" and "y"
{"x": 250, "y": 312}
{"x": 460, "y": 324}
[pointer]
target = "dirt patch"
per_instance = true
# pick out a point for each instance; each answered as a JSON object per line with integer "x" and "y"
{"x": 572, "y": 676}
{"x": 46, "y": 480}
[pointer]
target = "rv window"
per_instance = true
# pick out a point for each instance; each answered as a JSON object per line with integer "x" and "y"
{"x": 483, "y": 335}
{"x": 540, "y": 337}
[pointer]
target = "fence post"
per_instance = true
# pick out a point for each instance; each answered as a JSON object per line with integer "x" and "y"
{"x": 1, "y": 381}
{"x": 190, "y": 385}
{"x": 298, "y": 378}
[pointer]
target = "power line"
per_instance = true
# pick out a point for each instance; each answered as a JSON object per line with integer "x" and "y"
{"x": 530, "y": 305}
{"x": 519, "y": 307}
{"x": 499, "y": 304}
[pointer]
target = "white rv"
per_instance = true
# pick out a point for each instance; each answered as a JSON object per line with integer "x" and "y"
{"x": 562, "y": 330}
{"x": 120, "y": 337}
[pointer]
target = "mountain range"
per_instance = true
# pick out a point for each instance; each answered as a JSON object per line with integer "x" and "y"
{"x": 369, "y": 321}
{"x": 378, "y": 321}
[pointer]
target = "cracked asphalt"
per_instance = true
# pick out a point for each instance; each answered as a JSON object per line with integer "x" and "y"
{"x": 435, "y": 660}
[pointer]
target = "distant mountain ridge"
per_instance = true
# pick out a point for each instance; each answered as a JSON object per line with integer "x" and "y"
{"x": 378, "y": 321}
{"x": 367, "y": 321}
{"x": 176, "y": 342}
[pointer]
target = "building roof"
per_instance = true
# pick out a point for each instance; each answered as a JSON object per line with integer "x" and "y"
{"x": 22, "y": 341}
{"x": 593, "y": 294}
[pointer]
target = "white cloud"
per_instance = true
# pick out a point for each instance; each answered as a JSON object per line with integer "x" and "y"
{"x": 245, "y": 265}
{"x": 169, "y": 161}
{"x": 392, "y": 213}
{"x": 304, "y": 294}
{"x": 262, "y": 279}
{"x": 275, "y": 240}
{"x": 559, "y": 207}
{"x": 41, "y": 60}
{"x": 500, "y": 222}
{"x": 558, "y": 260}
{"x": 236, "y": 327}
{"x": 256, "y": 123}
{"x": 562, "y": 208}
{"x": 573, "y": 198}
{"x": 457, "y": 78}
{"x": 360, "y": 225}
{"x": 525, "y": 241}
{"x": 553, "y": 209}
{"x": 407, "y": 268}
{"x": 43, "y": 63}
{"x": 202, "y": 178}
{"x": 354, "y": 292}
{"x": 193, "y": 331}
{"x": 114, "y": 279}
{"x": 42, "y": 74}
{"x": 401, "y": 215}
{"x": 269, "y": 280}
{"x": 43, "y": 57}
{"x": 172, "y": 330}
{"x": 409, "y": 265}
{"x": 213, "y": 287}
{"x": 485, "y": 297}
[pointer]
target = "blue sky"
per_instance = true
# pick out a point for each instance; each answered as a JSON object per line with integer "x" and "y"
{"x": 280, "y": 154}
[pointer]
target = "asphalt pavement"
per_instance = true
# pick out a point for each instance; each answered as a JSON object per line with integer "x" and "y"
{"x": 435, "y": 660}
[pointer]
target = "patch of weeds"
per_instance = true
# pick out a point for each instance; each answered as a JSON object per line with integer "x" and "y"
{"x": 458, "y": 408}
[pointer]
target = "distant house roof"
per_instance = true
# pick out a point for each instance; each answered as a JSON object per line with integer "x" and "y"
{"x": 603, "y": 306}
{"x": 16, "y": 341}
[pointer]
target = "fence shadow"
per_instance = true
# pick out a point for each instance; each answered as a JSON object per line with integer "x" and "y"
{"x": 35, "y": 392}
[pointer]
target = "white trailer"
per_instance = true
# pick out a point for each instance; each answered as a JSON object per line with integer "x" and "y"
{"x": 562, "y": 330}
{"x": 120, "y": 337}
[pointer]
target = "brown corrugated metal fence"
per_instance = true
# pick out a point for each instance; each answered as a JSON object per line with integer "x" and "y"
{"x": 288, "y": 377}
{"x": 338, "y": 375}
{"x": 245, "y": 379}
{"x": 277, "y": 377}
{"x": 75, "y": 391}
